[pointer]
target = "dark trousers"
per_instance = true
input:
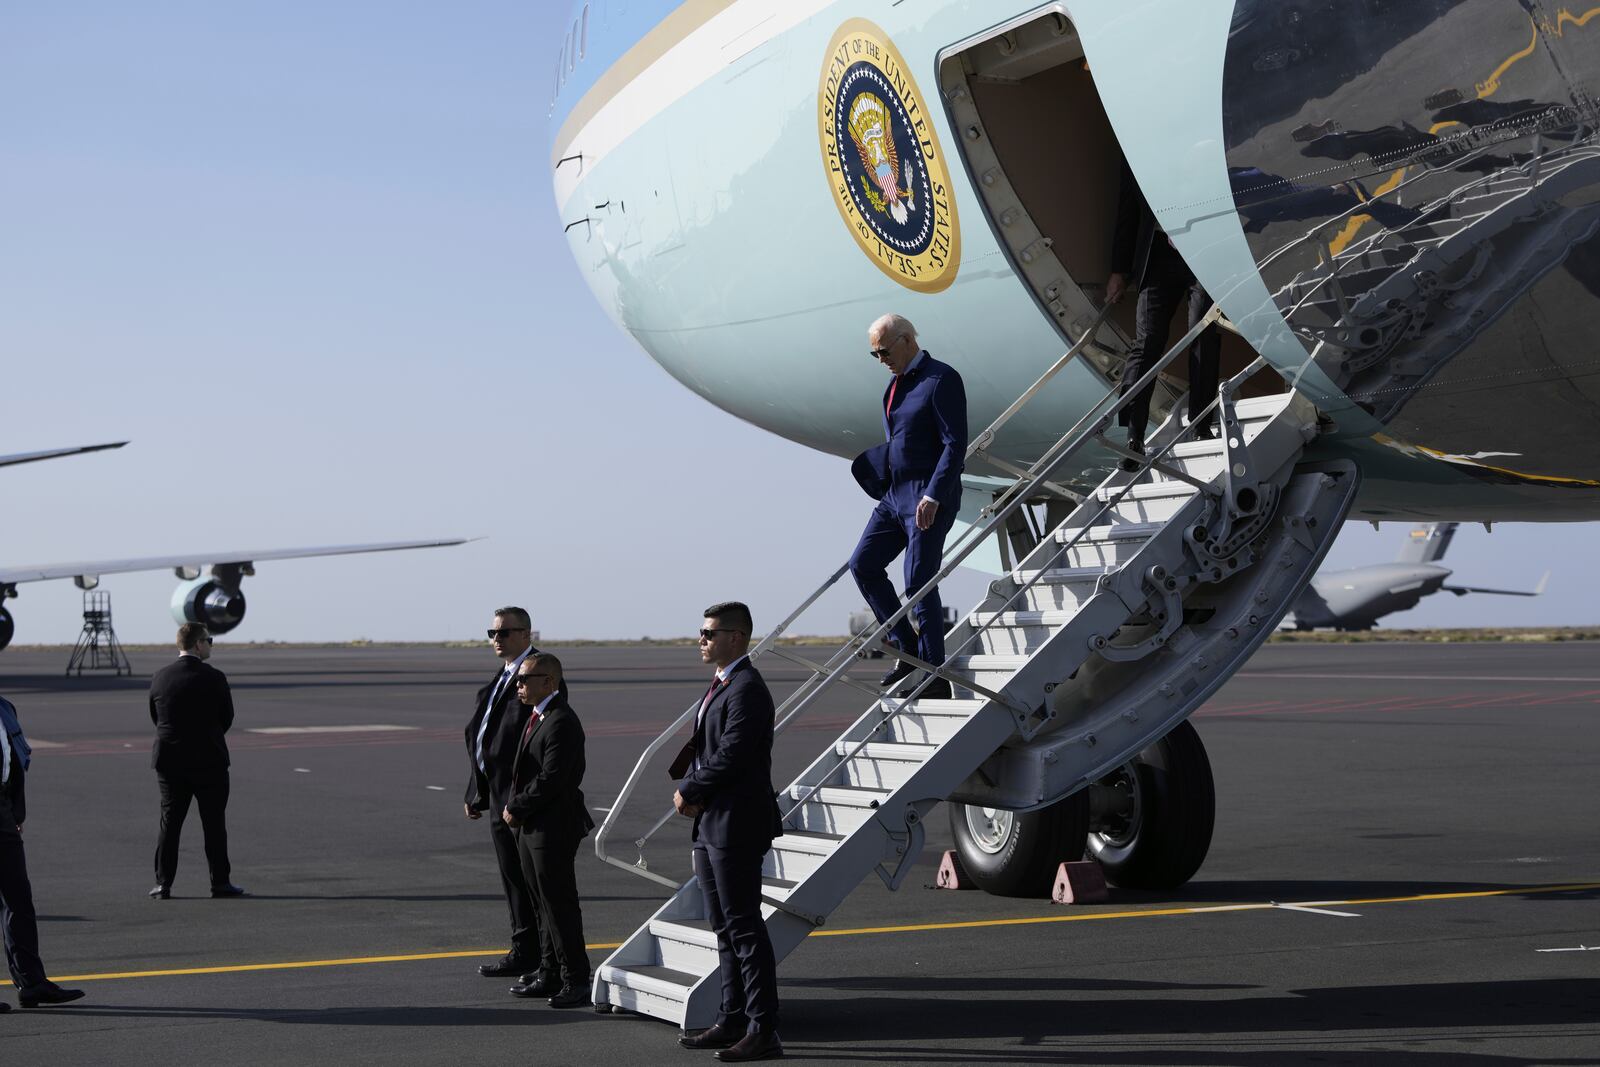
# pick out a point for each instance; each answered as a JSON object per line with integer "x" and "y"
{"x": 1168, "y": 281}
{"x": 730, "y": 878}
{"x": 17, "y": 918}
{"x": 525, "y": 940}
{"x": 212, "y": 795}
{"x": 891, "y": 530}
{"x": 551, "y": 871}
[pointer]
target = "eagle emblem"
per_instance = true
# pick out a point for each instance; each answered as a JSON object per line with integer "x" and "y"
{"x": 873, "y": 133}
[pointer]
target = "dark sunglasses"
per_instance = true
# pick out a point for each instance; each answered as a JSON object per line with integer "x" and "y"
{"x": 711, "y": 635}
{"x": 527, "y": 679}
{"x": 879, "y": 353}
{"x": 506, "y": 632}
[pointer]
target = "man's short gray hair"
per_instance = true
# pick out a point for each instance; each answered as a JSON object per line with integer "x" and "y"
{"x": 893, "y": 326}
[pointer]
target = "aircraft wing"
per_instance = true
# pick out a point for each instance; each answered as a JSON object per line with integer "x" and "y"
{"x": 1463, "y": 590}
{"x": 54, "y": 453}
{"x": 196, "y": 560}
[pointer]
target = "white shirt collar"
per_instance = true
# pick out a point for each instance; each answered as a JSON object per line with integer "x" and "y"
{"x": 723, "y": 672}
{"x": 514, "y": 664}
{"x": 546, "y": 702}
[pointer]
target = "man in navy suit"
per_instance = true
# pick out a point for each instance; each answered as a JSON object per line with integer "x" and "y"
{"x": 727, "y": 790}
{"x": 18, "y": 923}
{"x": 915, "y": 476}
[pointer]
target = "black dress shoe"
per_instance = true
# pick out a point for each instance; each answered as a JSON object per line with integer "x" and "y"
{"x": 571, "y": 996}
{"x": 761, "y": 1045}
{"x": 4, "y": 1007}
{"x": 32, "y": 996}
{"x": 536, "y": 985}
{"x": 506, "y": 966}
{"x": 899, "y": 673}
{"x": 718, "y": 1035}
{"x": 938, "y": 689}
{"x": 227, "y": 891}
{"x": 161, "y": 892}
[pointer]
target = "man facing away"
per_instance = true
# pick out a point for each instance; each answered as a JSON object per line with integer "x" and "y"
{"x": 1143, "y": 254}
{"x": 17, "y": 918}
{"x": 547, "y": 811}
{"x": 727, "y": 790}
{"x": 492, "y": 735}
{"x": 192, "y": 708}
{"x": 915, "y": 476}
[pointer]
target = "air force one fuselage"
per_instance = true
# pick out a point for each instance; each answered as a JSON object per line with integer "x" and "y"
{"x": 1395, "y": 204}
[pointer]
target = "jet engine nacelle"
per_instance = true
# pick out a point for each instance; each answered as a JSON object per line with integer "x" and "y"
{"x": 210, "y": 603}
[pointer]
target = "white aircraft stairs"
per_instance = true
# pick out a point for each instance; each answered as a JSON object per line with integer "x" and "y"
{"x": 1154, "y": 590}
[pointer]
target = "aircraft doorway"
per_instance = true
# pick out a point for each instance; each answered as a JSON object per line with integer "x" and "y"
{"x": 1047, "y": 165}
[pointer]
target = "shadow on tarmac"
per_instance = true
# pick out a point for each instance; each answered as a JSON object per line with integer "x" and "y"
{"x": 1045, "y": 1028}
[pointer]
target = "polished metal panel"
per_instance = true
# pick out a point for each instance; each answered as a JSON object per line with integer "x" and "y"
{"x": 1420, "y": 185}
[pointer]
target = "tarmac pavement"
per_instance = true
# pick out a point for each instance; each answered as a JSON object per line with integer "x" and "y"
{"x": 1423, "y": 806}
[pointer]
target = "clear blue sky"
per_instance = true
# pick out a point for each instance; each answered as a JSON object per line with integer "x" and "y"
{"x": 306, "y": 258}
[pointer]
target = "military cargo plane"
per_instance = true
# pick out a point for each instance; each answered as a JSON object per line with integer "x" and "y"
{"x": 1356, "y": 599}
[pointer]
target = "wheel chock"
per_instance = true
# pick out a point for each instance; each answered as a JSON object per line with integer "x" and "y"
{"x": 953, "y": 874}
{"x": 1079, "y": 882}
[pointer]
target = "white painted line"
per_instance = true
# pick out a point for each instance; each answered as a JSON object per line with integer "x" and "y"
{"x": 373, "y": 728}
{"x": 1579, "y": 948}
{"x": 1315, "y": 911}
{"x": 435, "y": 788}
{"x": 607, "y": 811}
{"x": 302, "y": 770}
{"x": 34, "y": 742}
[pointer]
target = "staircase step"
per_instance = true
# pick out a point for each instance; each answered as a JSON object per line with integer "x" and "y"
{"x": 879, "y": 764}
{"x": 1126, "y": 531}
{"x": 928, "y": 722}
{"x": 841, "y": 795}
{"x": 687, "y": 945}
{"x": 836, "y": 809}
{"x": 799, "y": 852}
{"x": 1017, "y": 633}
{"x": 649, "y": 989}
{"x": 777, "y": 888}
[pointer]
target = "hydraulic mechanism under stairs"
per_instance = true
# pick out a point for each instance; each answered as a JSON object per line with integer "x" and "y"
{"x": 1117, "y": 625}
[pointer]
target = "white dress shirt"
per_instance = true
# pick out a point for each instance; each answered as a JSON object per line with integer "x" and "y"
{"x": 494, "y": 695}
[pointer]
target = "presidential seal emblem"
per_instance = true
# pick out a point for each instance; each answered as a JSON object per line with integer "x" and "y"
{"x": 886, "y": 171}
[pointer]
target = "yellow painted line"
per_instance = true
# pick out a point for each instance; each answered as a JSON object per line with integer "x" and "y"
{"x": 1090, "y": 916}
{"x": 1034, "y": 920}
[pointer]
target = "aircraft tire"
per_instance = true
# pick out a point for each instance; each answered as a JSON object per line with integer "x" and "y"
{"x": 1175, "y": 808}
{"x": 8, "y": 627}
{"x": 1011, "y": 855}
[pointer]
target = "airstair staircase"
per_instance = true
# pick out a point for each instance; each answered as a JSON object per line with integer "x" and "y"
{"x": 1156, "y": 587}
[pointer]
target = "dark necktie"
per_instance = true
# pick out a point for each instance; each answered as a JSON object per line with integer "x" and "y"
{"x": 889, "y": 407}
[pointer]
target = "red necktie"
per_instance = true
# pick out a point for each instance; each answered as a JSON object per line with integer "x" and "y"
{"x": 533, "y": 720}
{"x": 716, "y": 683}
{"x": 889, "y": 407}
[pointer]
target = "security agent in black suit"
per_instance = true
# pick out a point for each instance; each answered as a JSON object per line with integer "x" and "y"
{"x": 1143, "y": 254}
{"x": 547, "y": 811}
{"x": 492, "y": 736}
{"x": 726, "y": 787}
{"x": 192, "y": 708}
{"x": 17, "y": 919}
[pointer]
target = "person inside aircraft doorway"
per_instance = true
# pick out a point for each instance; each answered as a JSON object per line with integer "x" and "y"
{"x": 1143, "y": 256}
